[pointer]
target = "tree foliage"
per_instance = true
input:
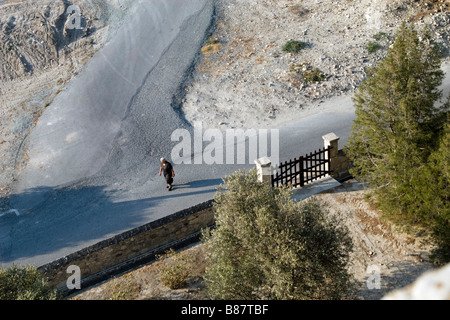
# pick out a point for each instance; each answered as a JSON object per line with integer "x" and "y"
{"x": 432, "y": 186}
{"x": 266, "y": 246}
{"x": 396, "y": 143}
{"x": 24, "y": 283}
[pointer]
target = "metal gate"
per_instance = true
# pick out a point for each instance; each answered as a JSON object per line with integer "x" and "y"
{"x": 301, "y": 171}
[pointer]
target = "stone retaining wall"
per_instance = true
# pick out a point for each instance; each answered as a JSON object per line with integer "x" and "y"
{"x": 341, "y": 166}
{"x": 132, "y": 248}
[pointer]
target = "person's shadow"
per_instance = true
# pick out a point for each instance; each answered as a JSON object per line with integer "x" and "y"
{"x": 197, "y": 184}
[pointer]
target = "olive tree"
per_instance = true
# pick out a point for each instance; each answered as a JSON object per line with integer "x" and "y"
{"x": 266, "y": 246}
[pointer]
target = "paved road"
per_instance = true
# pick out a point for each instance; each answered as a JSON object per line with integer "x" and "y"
{"x": 94, "y": 155}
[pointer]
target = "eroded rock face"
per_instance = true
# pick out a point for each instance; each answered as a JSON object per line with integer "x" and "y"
{"x": 37, "y": 35}
{"x": 432, "y": 285}
{"x": 28, "y": 39}
{"x": 43, "y": 45}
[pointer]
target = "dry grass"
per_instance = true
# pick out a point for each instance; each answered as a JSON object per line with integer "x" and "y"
{"x": 211, "y": 48}
{"x": 145, "y": 282}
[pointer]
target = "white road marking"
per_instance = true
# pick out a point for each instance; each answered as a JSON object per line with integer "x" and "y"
{"x": 15, "y": 211}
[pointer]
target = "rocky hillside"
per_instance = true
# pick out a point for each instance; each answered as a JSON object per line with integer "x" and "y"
{"x": 42, "y": 46}
{"x": 39, "y": 35}
{"x": 248, "y": 80}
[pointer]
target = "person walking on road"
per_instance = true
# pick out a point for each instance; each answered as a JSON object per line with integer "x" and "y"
{"x": 167, "y": 169}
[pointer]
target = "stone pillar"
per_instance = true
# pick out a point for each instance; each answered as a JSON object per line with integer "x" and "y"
{"x": 332, "y": 139}
{"x": 264, "y": 167}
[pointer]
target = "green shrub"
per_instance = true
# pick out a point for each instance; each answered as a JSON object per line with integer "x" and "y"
{"x": 24, "y": 283}
{"x": 212, "y": 40}
{"x": 266, "y": 246}
{"x": 175, "y": 272}
{"x": 372, "y": 47}
{"x": 293, "y": 46}
{"x": 314, "y": 75}
{"x": 381, "y": 36}
{"x": 308, "y": 73}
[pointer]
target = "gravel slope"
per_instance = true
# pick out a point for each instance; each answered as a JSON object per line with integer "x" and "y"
{"x": 246, "y": 80}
